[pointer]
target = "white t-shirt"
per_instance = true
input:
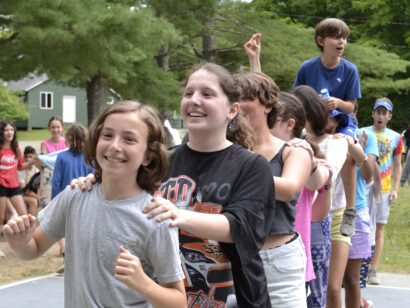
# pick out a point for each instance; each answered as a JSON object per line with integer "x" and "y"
{"x": 335, "y": 151}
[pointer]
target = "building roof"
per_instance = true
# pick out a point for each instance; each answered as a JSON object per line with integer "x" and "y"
{"x": 27, "y": 83}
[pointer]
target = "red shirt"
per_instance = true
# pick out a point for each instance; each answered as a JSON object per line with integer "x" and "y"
{"x": 8, "y": 167}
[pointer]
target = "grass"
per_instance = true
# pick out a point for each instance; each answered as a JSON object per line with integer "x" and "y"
{"x": 396, "y": 251}
{"x": 34, "y": 134}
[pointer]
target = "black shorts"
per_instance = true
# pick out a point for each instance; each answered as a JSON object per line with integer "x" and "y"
{"x": 9, "y": 192}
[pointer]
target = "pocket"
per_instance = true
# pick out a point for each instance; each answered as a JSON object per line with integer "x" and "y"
{"x": 109, "y": 248}
{"x": 291, "y": 262}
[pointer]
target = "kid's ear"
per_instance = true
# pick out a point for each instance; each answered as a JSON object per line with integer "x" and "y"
{"x": 320, "y": 40}
{"x": 233, "y": 111}
{"x": 147, "y": 159}
{"x": 290, "y": 124}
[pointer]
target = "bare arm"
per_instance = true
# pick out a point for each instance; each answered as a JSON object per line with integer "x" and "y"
{"x": 396, "y": 178}
{"x": 253, "y": 49}
{"x": 345, "y": 106}
{"x": 211, "y": 226}
{"x": 27, "y": 241}
{"x": 296, "y": 170}
{"x": 128, "y": 270}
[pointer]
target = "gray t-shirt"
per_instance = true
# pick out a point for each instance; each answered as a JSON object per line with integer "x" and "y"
{"x": 94, "y": 229}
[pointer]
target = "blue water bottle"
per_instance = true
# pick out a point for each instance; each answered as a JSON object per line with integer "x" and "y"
{"x": 325, "y": 94}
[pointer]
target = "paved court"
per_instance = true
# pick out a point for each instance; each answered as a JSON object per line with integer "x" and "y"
{"x": 48, "y": 292}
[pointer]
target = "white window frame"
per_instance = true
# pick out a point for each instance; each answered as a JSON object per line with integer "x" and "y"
{"x": 52, "y": 100}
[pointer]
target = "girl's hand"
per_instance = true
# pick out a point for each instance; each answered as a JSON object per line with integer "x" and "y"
{"x": 300, "y": 143}
{"x": 129, "y": 271}
{"x": 324, "y": 162}
{"x": 332, "y": 103}
{"x": 253, "y": 46}
{"x": 84, "y": 182}
{"x": 19, "y": 230}
{"x": 167, "y": 210}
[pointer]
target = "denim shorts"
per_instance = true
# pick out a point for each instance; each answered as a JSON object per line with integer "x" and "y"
{"x": 285, "y": 274}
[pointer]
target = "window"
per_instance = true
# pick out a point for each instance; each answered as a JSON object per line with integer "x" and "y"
{"x": 46, "y": 100}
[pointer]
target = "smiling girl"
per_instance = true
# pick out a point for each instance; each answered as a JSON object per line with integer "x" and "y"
{"x": 113, "y": 252}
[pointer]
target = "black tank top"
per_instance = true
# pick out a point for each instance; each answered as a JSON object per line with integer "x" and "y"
{"x": 284, "y": 218}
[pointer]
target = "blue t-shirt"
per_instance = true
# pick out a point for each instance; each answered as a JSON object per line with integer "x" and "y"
{"x": 342, "y": 82}
{"x": 370, "y": 148}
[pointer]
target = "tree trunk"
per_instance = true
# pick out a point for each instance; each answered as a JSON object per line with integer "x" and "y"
{"x": 162, "y": 57}
{"x": 96, "y": 97}
{"x": 209, "y": 43}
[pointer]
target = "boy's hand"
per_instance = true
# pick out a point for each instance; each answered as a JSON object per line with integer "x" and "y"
{"x": 19, "y": 230}
{"x": 253, "y": 46}
{"x": 332, "y": 103}
{"x": 393, "y": 197}
{"x": 128, "y": 270}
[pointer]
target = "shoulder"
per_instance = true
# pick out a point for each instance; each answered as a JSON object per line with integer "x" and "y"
{"x": 311, "y": 62}
{"x": 348, "y": 64}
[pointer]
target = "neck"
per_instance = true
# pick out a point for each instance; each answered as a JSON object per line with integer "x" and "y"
{"x": 330, "y": 62}
{"x": 207, "y": 142}
{"x": 119, "y": 189}
{"x": 55, "y": 139}
{"x": 379, "y": 129}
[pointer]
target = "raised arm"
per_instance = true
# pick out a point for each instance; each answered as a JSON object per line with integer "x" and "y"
{"x": 253, "y": 49}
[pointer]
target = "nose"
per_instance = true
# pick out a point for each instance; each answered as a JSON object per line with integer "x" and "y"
{"x": 115, "y": 144}
{"x": 195, "y": 97}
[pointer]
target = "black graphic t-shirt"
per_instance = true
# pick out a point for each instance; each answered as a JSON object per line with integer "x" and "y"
{"x": 237, "y": 184}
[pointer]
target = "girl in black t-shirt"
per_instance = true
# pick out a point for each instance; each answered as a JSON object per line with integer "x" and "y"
{"x": 219, "y": 194}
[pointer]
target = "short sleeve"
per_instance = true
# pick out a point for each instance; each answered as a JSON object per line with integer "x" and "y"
{"x": 250, "y": 211}
{"x": 53, "y": 217}
{"x": 163, "y": 253}
{"x": 399, "y": 148}
{"x": 371, "y": 145}
{"x": 300, "y": 79}
{"x": 353, "y": 87}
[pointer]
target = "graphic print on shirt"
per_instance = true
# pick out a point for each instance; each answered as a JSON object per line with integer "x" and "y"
{"x": 208, "y": 276}
{"x": 8, "y": 161}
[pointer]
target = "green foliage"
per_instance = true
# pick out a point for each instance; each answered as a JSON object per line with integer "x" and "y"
{"x": 11, "y": 105}
{"x": 74, "y": 41}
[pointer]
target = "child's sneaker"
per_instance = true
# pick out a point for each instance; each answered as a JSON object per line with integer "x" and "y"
{"x": 367, "y": 303}
{"x": 2, "y": 254}
{"x": 348, "y": 223}
{"x": 372, "y": 277}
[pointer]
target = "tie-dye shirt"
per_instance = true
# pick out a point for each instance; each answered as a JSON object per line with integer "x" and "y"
{"x": 390, "y": 144}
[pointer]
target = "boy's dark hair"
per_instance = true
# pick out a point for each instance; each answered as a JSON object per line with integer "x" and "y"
{"x": 14, "y": 143}
{"x": 76, "y": 137}
{"x": 315, "y": 107}
{"x": 29, "y": 150}
{"x": 331, "y": 27}
{"x": 148, "y": 177}
{"x": 258, "y": 85}
{"x": 239, "y": 130}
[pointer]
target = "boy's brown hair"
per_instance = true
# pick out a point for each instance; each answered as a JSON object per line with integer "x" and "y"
{"x": 148, "y": 177}
{"x": 258, "y": 85}
{"x": 331, "y": 27}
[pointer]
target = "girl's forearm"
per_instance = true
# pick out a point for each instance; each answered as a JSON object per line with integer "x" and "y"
{"x": 211, "y": 226}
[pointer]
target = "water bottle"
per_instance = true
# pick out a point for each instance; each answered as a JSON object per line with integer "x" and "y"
{"x": 325, "y": 94}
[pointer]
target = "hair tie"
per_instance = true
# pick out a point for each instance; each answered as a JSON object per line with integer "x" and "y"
{"x": 229, "y": 125}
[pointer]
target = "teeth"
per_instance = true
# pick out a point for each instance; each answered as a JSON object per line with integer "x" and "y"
{"x": 115, "y": 160}
{"x": 195, "y": 114}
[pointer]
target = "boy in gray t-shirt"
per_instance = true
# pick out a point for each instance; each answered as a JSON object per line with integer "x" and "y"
{"x": 115, "y": 256}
